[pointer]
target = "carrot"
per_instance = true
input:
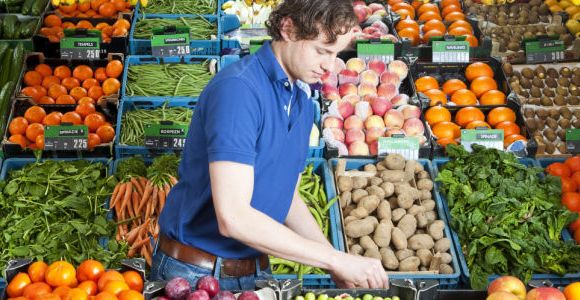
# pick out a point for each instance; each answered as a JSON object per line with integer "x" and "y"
{"x": 137, "y": 185}
{"x": 147, "y": 256}
{"x": 140, "y": 243}
{"x": 135, "y": 199}
{"x": 167, "y": 189}
{"x": 126, "y": 198}
{"x": 145, "y": 198}
{"x": 143, "y": 181}
{"x": 173, "y": 180}
{"x": 153, "y": 203}
{"x": 133, "y": 234}
{"x": 129, "y": 205}
{"x": 114, "y": 194}
{"x": 120, "y": 193}
{"x": 162, "y": 197}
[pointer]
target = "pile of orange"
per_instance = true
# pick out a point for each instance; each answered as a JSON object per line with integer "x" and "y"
{"x": 448, "y": 131}
{"x": 60, "y": 281}
{"x": 93, "y": 8}
{"x": 28, "y": 131}
{"x": 53, "y": 28}
{"x": 422, "y": 21}
{"x": 483, "y": 88}
{"x": 569, "y": 173}
{"x": 65, "y": 86}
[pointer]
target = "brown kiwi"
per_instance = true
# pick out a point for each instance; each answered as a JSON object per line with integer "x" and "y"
{"x": 553, "y": 113}
{"x": 534, "y": 18}
{"x": 529, "y": 113}
{"x": 566, "y": 72}
{"x": 544, "y": 9}
{"x": 561, "y": 134}
{"x": 573, "y": 100}
{"x": 534, "y": 101}
{"x": 562, "y": 147}
{"x": 540, "y": 124}
{"x": 546, "y": 101}
{"x": 535, "y": 92}
{"x": 576, "y": 71}
{"x": 567, "y": 38}
{"x": 513, "y": 46}
{"x": 559, "y": 100}
{"x": 551, "y": 72}
{"x": 564, "y": 123}
{"x": 538, "y": 82}
{"x": 552, "y": 123}
{"x": 563, "y": 81}
{"x": 576, "y": 80}
{"x": 540, "y": 69}
{"x": 565, "y": 112}
{"x": 574, "y": 91}
{"x": 518, "y": 74}
{"x": 524, "y": 93}
{"x": 577, "y": 114}
{"x": 576, "y": 124}
{"x": 542, "y": 113}
{"x": 528, "y": 73}
{"x": 548, "y": 92}
{"x": 508, "y": 69}
{"x": 562, "y": 91}
{"x": 531, "y": 124}
{"x": 551, "y": 82}
{"x": 550, "y": 134}
{"x": 525, "y": 83}
{"x": 550, "y": 148}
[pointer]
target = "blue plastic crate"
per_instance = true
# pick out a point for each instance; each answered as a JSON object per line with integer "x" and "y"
{"x": 121, "y": 150}
{"x": 465, "y": 274}
{"x": 218, "y": 12}
{"x": 197, "y": 47}
{"x": 446, "y": 281}
{"x": 148, "y": 59}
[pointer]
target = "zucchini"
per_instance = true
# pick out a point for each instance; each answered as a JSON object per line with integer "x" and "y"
{"x": 15, "y": 9}
{"x": 16, "y": 63}
{"x": 27, "y": 7}
{"x": 9, "y": 26}
{"x": 1, "y": 27}
{"x": 5, "y": 94}
{"x": 13, "y": 2}
{"x": 38, "y": 6}
{"x": 6, "y": 62}
{"x": 27, "y": 29}
{"x": 3, "y": 48}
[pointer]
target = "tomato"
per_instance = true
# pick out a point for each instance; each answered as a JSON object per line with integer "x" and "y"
{"x": 133, "y": 280}
{"x": 572, "y": 291}
{"x": 37, "y": 270}
{"x": 115, "y": 287}
{"x": 16, "y": 286}
{"x": 107, "y": 276}
{"x": 62, "y": 291}
{"x": 573, "y": 163}
{"x": 130, "y": 295}
{"x": 571, "y": 201}
{"x": 89, "y": 286}
{"x": 61, "y": 273}
{"x": 76, "y": 294}
{"x": 568, "y": 184}
{"x": 90, "y": 270}
{"x": 575, "y": 225}
{"x": 36, "y": 289}
{"x": 558, "y": 169}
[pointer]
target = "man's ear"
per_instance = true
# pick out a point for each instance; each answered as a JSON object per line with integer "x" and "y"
{"x": 287, "y": 29}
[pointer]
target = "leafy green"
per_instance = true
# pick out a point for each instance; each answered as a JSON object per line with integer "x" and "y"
{"x": 509, "y": 218}
{"x": 162, "y": 167}
{"x": 131, "y": 167}
{"x": 55, "y": 210}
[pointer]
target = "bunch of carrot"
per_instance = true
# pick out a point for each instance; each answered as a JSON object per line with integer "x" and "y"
{"x": 139, "y": 198}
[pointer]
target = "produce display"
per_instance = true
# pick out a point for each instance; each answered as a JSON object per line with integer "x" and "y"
{"x": 207, "y": 288}
{"x": 93, "y": 9}
{"x": 389, "y": 214}
{"x": 508, "y": 218}
{"x": 13, "y": 28}
{"x": 371, "y": 18}
{"x": 199, "y": 28}
{"x": 138, "y": 199}
{"x": 11, "y": 58}
{"x": 312, "y": 296}
{"x": 55, "y": 209}
{"x": 54, "y": 26}
{"x": 569, "y": 174}
{"x": 532, "y": 12}
{"x": 23, "y": 7}
{"x": 510, "y": 287}
{"x": 181, "y": 7}
{"x": 60, "y": 280}
{"x": 250, "y": 11}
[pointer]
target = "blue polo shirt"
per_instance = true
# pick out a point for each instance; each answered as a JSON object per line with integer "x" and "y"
{"x": 251, "y": 114}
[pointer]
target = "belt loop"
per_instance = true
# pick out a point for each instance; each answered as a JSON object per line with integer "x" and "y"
{"x": 155, "y": 247}
{"x": 257, "y": 262}
{"x": 217, "y": 267}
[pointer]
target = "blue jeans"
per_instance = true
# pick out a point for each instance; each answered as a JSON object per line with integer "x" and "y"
{"x": 166, "y": 268}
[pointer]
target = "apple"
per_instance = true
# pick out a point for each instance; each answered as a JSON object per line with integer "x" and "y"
{"x": 329, "y": 78}
{"x": 354, "y": 135}
{"x": 382, "y": 27}
{"x": 359, "y": 148}
{"x": 377, "y": 65}
{"x": 380, "y": 105}
{"x": 208, "y": 284}
{"x": 545, "y": 293}
{"x": 410, "y": 111}
{"x": 374, "y": 122}
{"x": 333, "y": 96}
{"x": 334, "y": 133}
{"x": 367, "y": 89}
{"x": 413, "y": 127}
{"x": 369, "y": 77}
{"x": 374, "y": 147}
{"x": 501, "y": 295}
{"x": 197, "y": 295}
{"x": 224, "y": 295}
{"x": 328, "y": 89}
{"x": 248, "y": 295}
{"x": 390, "y": 77}
{"x": 347, "y": 89}
{"x": 387, "y": 90}
{"x": 394, "y": 119}
{"x": 352, "y": 98}
{"x": 400, "y": 99}
{"x": 339, "y": 65}
{"x": 345, "y": 109}
{"x": 353, "y": 122}
{"x": 508, "y": 284}
{"x": 356, "y": 64}
{"x": 332, "y": 122}
{"x": 380, "y": 12}
{"x": 348, "y": 76}
{"x": 374, "y": 134}
{"x": 399, "y": 67}
{"x": 361, "y": 13}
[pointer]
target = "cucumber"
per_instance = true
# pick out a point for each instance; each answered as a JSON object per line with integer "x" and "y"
{"x": 14, "y": 9}
{"x": 16, "y": 63}
{"x": 9, "y": 26}
{"x": 27, "y": 7}
{"x": 3, "y": 48}
{"x": 5, "y": 94}
{"x": 13, "y": 2}
{"x": 6, "y": 62}
{"x": 38, "y": 6}
{"x": 1, "y": 27}
{"x": 27, "y": 29}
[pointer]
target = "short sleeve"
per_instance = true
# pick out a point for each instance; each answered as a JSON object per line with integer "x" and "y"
{"x": 231, "y": 119}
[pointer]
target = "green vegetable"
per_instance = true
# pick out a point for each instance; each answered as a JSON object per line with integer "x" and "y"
{"x": 6, "y": 61}
{"x": 55, "y": 210}
{"x": 27, "y": 29}
{"x": 181, "y": 7}
{"x": 9, "y": 26}
{"x": 199, "y": 28}
{"x": 508, "y": 219}
{"x": 162, "y": 167}
{"x": 16, "y": 62}
{"x": 38, "y": 7}
{"x": 131, "y": 167}
{"x": 5, "y": 94}
{"x": 27, "y": 7}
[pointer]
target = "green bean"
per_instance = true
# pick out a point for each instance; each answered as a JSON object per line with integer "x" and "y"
{"x": 181, "y": 7}
{"x": 187, "y": 80}
{"x": 199, "y": 28}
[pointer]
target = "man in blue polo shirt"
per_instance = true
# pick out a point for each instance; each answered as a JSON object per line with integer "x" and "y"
{"x": 237, "y": 201}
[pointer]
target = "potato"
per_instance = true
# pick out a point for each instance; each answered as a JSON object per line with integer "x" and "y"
{"x": 404, "y": 253}
{"x": 415, "y": 209}
{"x": 410, "y": 167}
{"x": 359, "y": 182}
{"x": 394, "y": 162}
{"x": 445, "y": 269}
{"x": 389, "y": 188}
{"x": 410, "y": 264}
{"x": 388, "y": 258}
{"x": 359, "y": 228}
{"x": 370, "y": 168}
{"x": 345, "y": 199}
{"x": 377, "y": 191}
{"x": 425, "y": 184}
{"x": 359, "y": 213}
{"x": 431, "y": 216}
{"x": 356, "y": 249}
{"x": 358, "y": 194}
{"x": 373, "y": 220}
{"x": 401, "y": 189}
{"x": 370, "y": 203}
{"x": 393, "y": 176}
{"x": 408, "y": 225}
{"x": 376, "y": 181}
{"x": 446, "y": 258}
{"x": 405, "y": 201}
{"x": 425, "y": 257}
{"x": 424, "y": 195}
{"x": 367, "y": 243}
{"x": 373, "y": 253}
{"x": 393, "y": 202}
{"x": 428, "y": 205}
{"x": 420, "y": 231}
{"x": 346, "y": 211}
{"x": 388, "y": 222}
{"x": 384, "y": 210}
{"x": 381, "y": 167}
{"x": 397, "y": 214}
{"x": 382, "y": 234}
{"x": 436, "y": 229}
{"x": 421, "y": 241}
{"x": 442, "y": 245}
{"x": 423, "y": 175}
{"x": 349, "y": 219}
{"x": 345, "y": 184}
{"x": 398, "y": 238}
{"x": 422, "y": 221}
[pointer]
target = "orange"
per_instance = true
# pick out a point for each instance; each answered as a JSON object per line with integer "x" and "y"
{"x": 464, "y": 97}
{"x": 558, "y": 169}
{"x": 573, "y": 163}
{"x": 50, "y": 296}
{"x": 70, "y": 83}
{"x": 437, "y": 114}
{"x": 478, "y": 69}
{"x": 576, "y": 177}
{"x": 512, "y": 138}
{"x": 402, "y": 5}
{"x": 16, "y": 286}
{"x": 76, "y": 294}
{"x": 436, "y": 96}
{"x": 446, "y": 130}
{"x": 86, "y": 100}
{"x": 114, "y": 68}
{"x": 482, "y": 84}
{"x": 72, "y": 118}
{"x": 445, "y": 3}
{"x": 18, "y": 125}
{"x": 461, "y": 23}
{"x": 430, "y": 15}
{"x": 82, "y": 72}
{"x": 492, "y": 97}
{"x": 40, "y": 90}
{"x": 94, "y": 141}
{"x": 40, "y": 142}
{"x": 36, "y": 271}
{"x": 90, "y": 269}
{"x": 36, "y": 289}
{"x": 572, "y": 201}
{"x": 61, "y": 273}
{"x": 84, "y": 6}
{"x": 53, "y": 118}
{"x": 85, "y": 109}
{"x": 100, "y": 74}
{"x": 472, "y": 40}
{"x": 131, "y": 295}
{"x": 31, "y": 92}
{"x": 56, "y": 90}
{"x": 68, "y": 8}
{"x": 428, "y": 7}
{"x": 107, "y": 10}
{"x": 65, "y": 99}
{"x": 508, "y": 127}
{"x": 61, "y": 291}
{"x": 405, "y": 13}
{"x": 52, "y": 21}
{"x": 450, "y": 8}
{"x": 119, "y": 31}
{"x": 20, "y": 140}
{"x": 454, "y": 16}
{"x": 467, "y": 115}
{"x": 411, "y": 34}
{"x": 107, "y": 133}
{"x": 89, "y": 83}
{"x": 572, "y": 291}
{"x": 452, "y": 85}
{"x": 568, "y": 184}
{"x": 68, "y": 25}
{"x": 62, "y": 72}
{"x": 35, "y": 114}
{"x": 43, "y": 69}
{"x": 122, "y": 23}
{"x": 105, "y": 296}
{"x": 95, "y": 92}
{"x": 50, "y": 80}
{"x": 458, "y": 31}
{"x": 33, "y": 130}
{"x": 32, "y": 78}
{"x": 94, "y": 121}
{"x": 434, "y": 25}
{"x": 132, "y": 278}
{"x": 446, "y": 141}
{"x": 426, "y": 83}
{"x": 109, "y": 275}
{"x": 475, "y": 124}
{"x": 89, "y": 286}
{"x": 407, "y": 23}
{"x": 114, "y": 286}
{"x": 78, "y": 93}
{"x": 500, "y": 114}
{"x": 111, "y": 86}
{"x": 432, "y": 33}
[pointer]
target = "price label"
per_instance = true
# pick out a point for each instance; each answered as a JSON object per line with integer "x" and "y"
{"x": 407, "y": 146}
{"x": 165, "y": 135}
{"x": 489, "y": 138}
{"x": 80, "y": 48}
{"x": 544, "y": 51}
{"x": 170, "y": 41}
{"x": 72, "y": 137}
{"x": 573, "y": 141}
{"x": 383, "y": 50}
{"x": 450, "y": 51}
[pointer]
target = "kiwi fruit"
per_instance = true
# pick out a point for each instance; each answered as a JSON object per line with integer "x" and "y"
{"x": 546, "y": 101}
{"x": 567, "y": 38}
{"x": 573, "y": 100}
{"x": 562, "y": 91}
{"x": 540, "y": 124}
{"x": 550, "y": 148}
{"x": 559, "y": 100}
{"x": 562, "y": 147}
{"x": 551, "y": 72}
{"x": 564, "y": 123}
{"x": 538, "y": 82}
{"x": 576, "y": 124}
{"x": 501, "y": 21}
{"x": 518, "y": 74}
{"x": 513, "y": 46}
{"x": 574, "y": 91}
{"x": 566, "y": 72}
{"x": 535, "y": 92}
{"x": 553, "y": 113}
{"x": 531, "y": 124}
{"x": 563, "y": 81}
{"x": 529, "y": 35}
{"x": 561, "y": 134}
{"x": 534, "y": 101}
{"x": 551, "y": 82}
{"x": 548, "y": 92}
{"x": 576, "y": 80}
{"x": 525, "y": 83}
{"x": 544, "y": 18}
{"x": 550, "y": 134}
{"x": 524, "y": 94}
{"x": 565, "y": 112}
{"x": 529, "y": 113}
{"x": 540, "y": 69}
{"x": 577, "y": 114}
{"x": 552, "y": 123}
{"x": 576, "y": 71}
{"x": 528, "y": 73}
{"x": 534, "y": 18}
{"x": 542, "y": 113}
{"x": 508, "y": 69}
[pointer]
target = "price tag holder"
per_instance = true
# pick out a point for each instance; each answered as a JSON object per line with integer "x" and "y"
{"x": 489, "y": 138}
{"x": 165, "y": 135}
{"x": 170, "y": 41}
{"x": 407, "y": 146}
{"x": 544, "y": 50}
{"x": 450, "y": 51}
{"x": 383, "y": 50}
{"x": 66, "y": 137}
{"x": 80, "y": 44}
{"x": 573, "y": 141}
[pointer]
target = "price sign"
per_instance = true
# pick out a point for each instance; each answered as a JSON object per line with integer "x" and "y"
{"x": 80, "y": 44}
{"x": 66, "y": 137}
{"x": 489, "y": 138}
{"x": 170, "y": 41}
{"x": 573, "y": 141}
{"x": 407, "y": 146}
{"x": 383, "y": 50}
{"x": 543, "y": 51}
{"x": 450, "y": 51}
{"x": 165, "y": 135}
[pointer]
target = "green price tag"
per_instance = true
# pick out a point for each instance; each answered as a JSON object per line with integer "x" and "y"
{"x": 450, "y": 51}
{"x": 383, "y": 50}
{"x": 544, "y": 51}
{"x": 165, "y": 135}
{"x": 407, "y": 146}
{"x": 573, "y": 141}
{"x": 66, "y": 137}
{"x": 80, "y": 44}
{"x": 170, "y": 41}
{"x": 489, "y": 138}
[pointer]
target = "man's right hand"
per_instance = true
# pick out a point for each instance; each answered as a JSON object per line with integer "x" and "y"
{"x": 353, "y": 271}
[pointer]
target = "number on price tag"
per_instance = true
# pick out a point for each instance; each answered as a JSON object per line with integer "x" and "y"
{"x": 66, "y": 137}
{"x": 573, "y": 141}
{"x": 408, "y": 146}
{"x": 81, "y": 44}
{"x": 543, "y": 51}
{"x": 170, "y": 41}
{"x": 383, "y": 50}
{"x": 450, "y": 51}
{"x": 489, "y": 138}
{"x": 165, "y": 135}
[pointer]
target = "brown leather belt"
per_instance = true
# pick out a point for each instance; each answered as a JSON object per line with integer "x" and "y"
{"x": 200, "y": 258}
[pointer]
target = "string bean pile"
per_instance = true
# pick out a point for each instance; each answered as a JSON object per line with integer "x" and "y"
{"x": 133, "y": 122}
{"x": 199, "y": 28}
{"x": 187, "y": 80}
{"x": 181, "y": 7}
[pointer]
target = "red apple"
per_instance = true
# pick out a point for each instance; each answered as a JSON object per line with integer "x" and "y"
{"x": 347, "y": 89}
{"x": 367, "y": 89}
{"x": 353, "y": 122}
{"x": 348, "y": 76}
{"x": 374, "y": 147}
{"x": 377, "y": 65}
{"x": 359, "y": 148}
{"x": 399, "y": 67}
{"x": 545, "y": 293}
{"x": 374, "y": 122}
{"x": 328, "y": 89}
{"x": 332, "y": 122}
{"x": 380, "y": 105}
{"x": 374, "y": 134}
{"x": 508, "y": 284}
{"x": 369, "y": 77}
{"x": 354, "y": 135}
{"x": 413, "y": 127}
{"x": 356, "y": 64}
{"x": 329, "y": 78}
{"x": 334, "y": 133}
{"x": 345, "y": 108}
{"x": 390, "y": 77}
{"x": 400, "y": 100}
{"x": 502, "y": 296}
{"x": 387, "y": 90}
{"x": 410, "y": 111}
{"x": 352, "y": 98}
{"x": 394, "y": 119}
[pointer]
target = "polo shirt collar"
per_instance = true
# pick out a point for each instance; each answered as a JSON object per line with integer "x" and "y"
{"x": 270, "y": 64}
